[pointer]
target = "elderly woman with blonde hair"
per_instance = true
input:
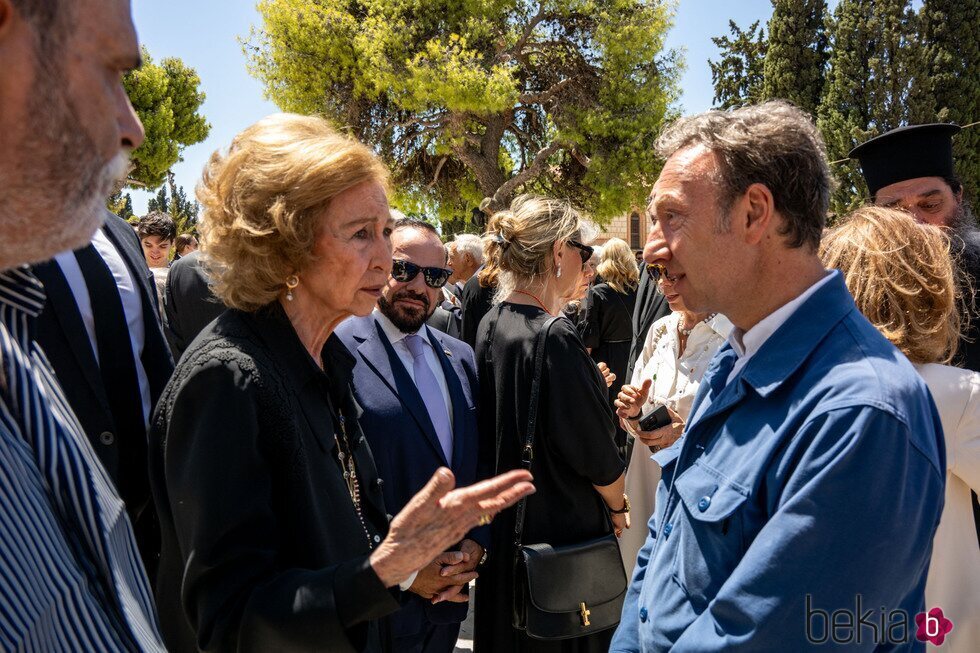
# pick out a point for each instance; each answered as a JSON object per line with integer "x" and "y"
{"x": 274, "y": 530}
{"x": 904, "y": 281}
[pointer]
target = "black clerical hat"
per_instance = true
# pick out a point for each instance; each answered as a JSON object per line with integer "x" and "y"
{"x": 906, "y": 153}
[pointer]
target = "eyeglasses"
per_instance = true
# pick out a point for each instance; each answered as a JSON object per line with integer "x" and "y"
{"x": 404, "y": 271}
{"x": 583, "y": 250}
{"x": 658, "y": 271}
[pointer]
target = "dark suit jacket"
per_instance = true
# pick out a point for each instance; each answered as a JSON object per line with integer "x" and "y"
{"x": 475, "y": 302}
{"x": 448, "y": 319}
{"x": 650, "y": 306}
{"x": 62, "y": 336}
{"x": 403, "y": 440}
{"x": 188, "y": 303}
{"x": 262, "y": 548}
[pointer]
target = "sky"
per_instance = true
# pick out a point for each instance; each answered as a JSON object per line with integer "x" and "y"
{"x": 206, "y": 36}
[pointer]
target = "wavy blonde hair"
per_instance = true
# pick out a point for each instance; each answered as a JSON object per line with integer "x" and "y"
{"x": 903, "y": 280}
{"x": 262, "y": 201}
{"x": 618, "y": 266}
{"x": 520, "y": 239}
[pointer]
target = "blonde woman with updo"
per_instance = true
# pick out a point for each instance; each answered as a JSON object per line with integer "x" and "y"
{"x": 275, "y": 535}
{"x": 539, "y": 248}
{"x": 905, "y": 283}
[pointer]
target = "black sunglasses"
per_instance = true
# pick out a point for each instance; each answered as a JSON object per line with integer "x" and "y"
{"x": 583, "y": 250}
{"x": 404, "y": 271}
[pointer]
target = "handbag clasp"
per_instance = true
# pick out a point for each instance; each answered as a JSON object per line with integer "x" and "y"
{"x": 584, "y": 612}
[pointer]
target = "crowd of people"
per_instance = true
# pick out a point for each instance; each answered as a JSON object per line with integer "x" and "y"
{"x": 325, "y": 429}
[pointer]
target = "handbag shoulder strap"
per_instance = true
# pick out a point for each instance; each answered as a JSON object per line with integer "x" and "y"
{"x": 527, "y": 451}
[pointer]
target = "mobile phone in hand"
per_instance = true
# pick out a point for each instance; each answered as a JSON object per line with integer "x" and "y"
{"x": 655, "y": 419}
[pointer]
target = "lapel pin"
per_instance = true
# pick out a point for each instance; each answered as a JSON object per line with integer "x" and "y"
{"x": 447, "y": 353}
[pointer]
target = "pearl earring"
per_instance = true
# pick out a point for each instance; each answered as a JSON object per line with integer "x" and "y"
{"x": 558, "y": 273}
{"x": 291, "y": 282}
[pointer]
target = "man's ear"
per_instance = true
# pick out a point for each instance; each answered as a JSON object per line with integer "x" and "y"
{"x": 757, "y": 212}
{"x": 7, "y": 15}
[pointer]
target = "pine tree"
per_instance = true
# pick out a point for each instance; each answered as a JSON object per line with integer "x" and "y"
{"x": 951, "y": 36}
{"x": 875, "y": 82}
{"x": 121, "y": 204}
{"x": 160, "y": 202}
{"x": 797, "y": 53}
{"x": 737, "y": 75}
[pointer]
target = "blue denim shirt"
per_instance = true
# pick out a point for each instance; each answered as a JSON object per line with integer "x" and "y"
{"x": 812, "y": 482}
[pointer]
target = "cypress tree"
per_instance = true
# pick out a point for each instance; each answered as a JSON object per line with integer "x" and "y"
{"x": 737, "y": 75}
{"x": 875, "y": 82}
{"x": 951, "y": 36}
{"x": 797, "y": 53}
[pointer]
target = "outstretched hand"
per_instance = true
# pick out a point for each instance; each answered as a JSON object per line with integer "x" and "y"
{"x": 629, "y": 402}
{"x": 439, "y": 516}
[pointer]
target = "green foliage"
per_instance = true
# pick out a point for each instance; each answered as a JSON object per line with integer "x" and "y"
{"x": 738, "y": 74}
{"x": 121, "y": 204}
{"x": 876, "y": 81}
{"x": 176, "y": 204}
{"x": 951, "y": 35}
{"x": 797, "y": 53}
{"x": 167, "y": 99}
{"x": 473, "y": 101}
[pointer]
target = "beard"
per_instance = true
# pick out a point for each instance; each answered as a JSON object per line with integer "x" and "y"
{"x": 53, "y": 198}
{"x": 407, "y": 320}
{"x": 965, "y": 236}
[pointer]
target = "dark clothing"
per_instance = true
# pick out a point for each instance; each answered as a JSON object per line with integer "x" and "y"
{"x": 968, "y": 352}
{"x": 262, "y": 547}
{"x": 188, "y": 303}
{"x": 62, "y": 335}
{"x": 406, "y": 446}
{"x": 574, "y": 450}
{"x": 448, "y": 319}
{"x": 476, "y": 302}
{"x": 608, "y": 332}
{"x": 650, "y": 306}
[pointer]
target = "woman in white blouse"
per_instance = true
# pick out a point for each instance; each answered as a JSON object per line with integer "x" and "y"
{"x": 902, "y": 278}
{"x": 675, "y": 355}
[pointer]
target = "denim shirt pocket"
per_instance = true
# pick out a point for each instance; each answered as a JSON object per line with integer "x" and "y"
{"x": 709, "y": 532}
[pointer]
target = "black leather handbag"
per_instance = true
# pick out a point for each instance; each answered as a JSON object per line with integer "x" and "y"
{"x": 566, "y": 591}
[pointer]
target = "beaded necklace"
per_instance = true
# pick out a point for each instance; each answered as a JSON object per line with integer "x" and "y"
{"x": 686, "y": 332}
{"x": 346, "y": 457}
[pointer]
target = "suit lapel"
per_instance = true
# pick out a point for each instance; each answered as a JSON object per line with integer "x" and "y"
{"x": 456, "y": 397}
{"x": 381, "y": 357}
{"x": 61, "y": 303}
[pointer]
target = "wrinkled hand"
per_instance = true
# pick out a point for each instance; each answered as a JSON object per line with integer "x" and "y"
{"x": 665, "y": 435}
{"x": 438, "y": 517}
{"x": 630, "y": 400}
{"x": 620, "y": 522}
{"x": 607, "y": 374}
{"x": 431, "y": 581}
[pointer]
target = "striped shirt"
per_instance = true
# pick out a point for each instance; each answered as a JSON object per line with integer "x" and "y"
{"x": 70, "y": 576}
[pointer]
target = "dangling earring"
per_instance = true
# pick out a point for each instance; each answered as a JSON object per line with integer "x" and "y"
{"x": 291, "y": 282}
{"x": 558, "y": 273}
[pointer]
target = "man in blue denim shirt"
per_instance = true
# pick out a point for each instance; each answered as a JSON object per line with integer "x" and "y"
{"x": 810, "y": 476}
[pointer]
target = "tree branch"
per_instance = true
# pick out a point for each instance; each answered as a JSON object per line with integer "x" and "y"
{"x": 528, "y": 173}
{"x": 435, "y": 177}
{"x": 544, "y": 96}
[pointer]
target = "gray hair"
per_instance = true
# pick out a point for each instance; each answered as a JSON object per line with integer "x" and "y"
{"x": 469, "y": 244}
{"x": 774, "y": 144}
{"x": 51, "y": 20}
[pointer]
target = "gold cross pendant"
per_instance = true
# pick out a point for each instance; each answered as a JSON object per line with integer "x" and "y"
{"x": 585, "y": 612}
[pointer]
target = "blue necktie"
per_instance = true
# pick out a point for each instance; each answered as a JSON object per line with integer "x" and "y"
{"x": 428, "y": 386}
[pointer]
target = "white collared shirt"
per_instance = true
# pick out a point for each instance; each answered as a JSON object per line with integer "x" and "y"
{"x": 397, "y": 339}
{"x": 129, "y": 293}
{"x": 747, "y": 343}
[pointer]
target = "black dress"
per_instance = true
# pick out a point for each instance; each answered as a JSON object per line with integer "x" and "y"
{"x": 475, "y": 303}
{"x": 262, "y": 547}
{"x": 608, "y": 331}
{"x": 573, "y": 450}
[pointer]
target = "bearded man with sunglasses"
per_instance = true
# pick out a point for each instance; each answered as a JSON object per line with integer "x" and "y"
{"x": 417, "y": 387}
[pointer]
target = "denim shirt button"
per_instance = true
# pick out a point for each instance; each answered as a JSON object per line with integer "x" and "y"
{"x": 643, "y": 615}
{"x": 704, "y": 503}
{"x": 667, "y": 529}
